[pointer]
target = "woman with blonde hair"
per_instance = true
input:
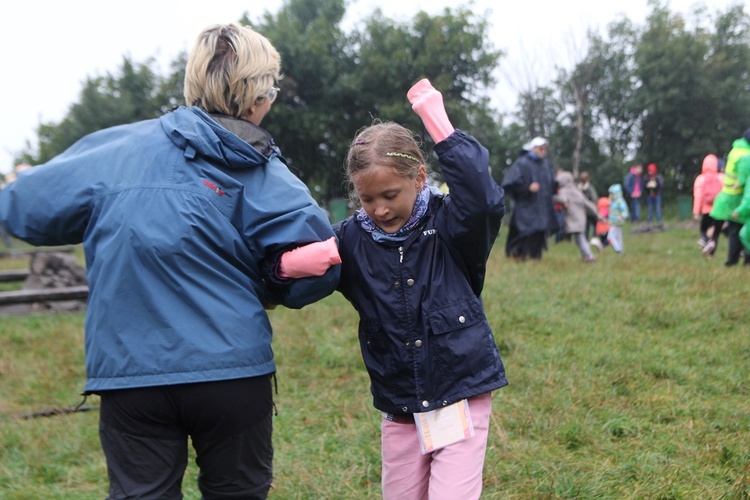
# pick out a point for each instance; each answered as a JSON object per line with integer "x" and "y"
{"x": 183, "y": 220}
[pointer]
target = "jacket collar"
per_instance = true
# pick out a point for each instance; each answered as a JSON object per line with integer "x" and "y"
{"x": 249, "y": 132}
{"x": 222, "y": 140}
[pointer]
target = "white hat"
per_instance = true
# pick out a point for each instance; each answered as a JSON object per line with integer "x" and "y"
{"x": 536, "y": 141}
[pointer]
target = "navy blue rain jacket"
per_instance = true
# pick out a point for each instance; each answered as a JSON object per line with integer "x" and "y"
{"x": 177, "y": 217}
{"x": 423, "y": 333}
{"x": 532, "y": 212}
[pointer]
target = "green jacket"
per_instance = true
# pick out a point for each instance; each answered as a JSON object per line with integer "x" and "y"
{"x": 735, "y": 177}
{"x": 743, "y": 209}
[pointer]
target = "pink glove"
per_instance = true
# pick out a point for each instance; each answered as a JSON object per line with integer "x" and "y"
{"x": 309, "y": 260}
{"x": 427, "y": 103}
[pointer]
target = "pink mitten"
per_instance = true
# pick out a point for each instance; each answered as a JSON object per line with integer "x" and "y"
{"x": 309, "y": 260}
{"x": 427, "y": 103}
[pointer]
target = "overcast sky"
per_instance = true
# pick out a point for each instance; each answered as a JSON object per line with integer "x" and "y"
{"x": 48, "y": 48}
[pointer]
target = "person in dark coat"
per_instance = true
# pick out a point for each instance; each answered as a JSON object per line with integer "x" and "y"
{"x": 531, "y": 183}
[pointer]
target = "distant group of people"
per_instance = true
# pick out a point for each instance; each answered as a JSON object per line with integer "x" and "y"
{"x": 721, "y": 202}
{"x": 548, "y": 203}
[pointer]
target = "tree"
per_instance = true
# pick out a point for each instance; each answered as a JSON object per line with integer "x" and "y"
{"x": 336, "y": 83}
{"x": 606, "y": 112}
{"x": 614, "y": 112}
{"x": 580, "y": 86}
{"x": 310, "y": 117}
{"x": 728, "y": 67}
{"x": 171, "y": 91}
{"x": 694, "y": 86}
{"x": 674, "y": 95}
{"x": 451, "y": 49}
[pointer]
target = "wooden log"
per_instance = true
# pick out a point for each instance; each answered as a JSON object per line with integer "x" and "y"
{"x": 44, "y": 295}
{"x": 14, "y": 275}
{"x": 25, "y": 252}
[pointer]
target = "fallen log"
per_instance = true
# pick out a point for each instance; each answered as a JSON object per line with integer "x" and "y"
{"x": 80, "y": 292}
{"x": 25, "y": 252}
{"x": 14, "y": 275}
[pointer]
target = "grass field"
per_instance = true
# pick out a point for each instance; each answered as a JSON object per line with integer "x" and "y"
{"x": 629, "y": 378}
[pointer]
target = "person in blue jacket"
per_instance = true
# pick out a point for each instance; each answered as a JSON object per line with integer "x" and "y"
{"x": 413, "y": 266}
{"x": 183, "y": 221}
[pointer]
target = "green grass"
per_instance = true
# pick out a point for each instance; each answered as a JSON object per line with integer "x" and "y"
{"x": 629, "y": 378}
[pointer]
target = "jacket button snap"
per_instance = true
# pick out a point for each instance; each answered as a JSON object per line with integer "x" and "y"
{"x": 404, "y": 409}
{"x": 425, "y": 403}
{"x": 461, "y": 319}
{"x": 410, "y": 282}
{"x": 418, "y": 343}
{"x": 397, "y": 284}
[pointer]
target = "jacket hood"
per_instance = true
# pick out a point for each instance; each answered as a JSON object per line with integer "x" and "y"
{"x": 233, "y": 143}
{"x": 741, "y": 143}
{"x": 710, "y": 164}
{"x": 615, "y": 190}
{"x": 652, "y": 170}
{"x": 602, "y": 203}
{"x": 565, "y": 179}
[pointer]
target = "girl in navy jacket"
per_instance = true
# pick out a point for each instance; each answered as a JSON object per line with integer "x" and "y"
{"x": 413, "y": 266}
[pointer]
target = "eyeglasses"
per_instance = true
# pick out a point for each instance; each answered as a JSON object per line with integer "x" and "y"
{"x": 273, "y": 93}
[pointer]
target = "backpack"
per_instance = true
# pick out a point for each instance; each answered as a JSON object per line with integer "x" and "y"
{"x": 711, "y": 187}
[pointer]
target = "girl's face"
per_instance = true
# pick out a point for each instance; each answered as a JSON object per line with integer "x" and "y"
{"x": 388, "y": 197}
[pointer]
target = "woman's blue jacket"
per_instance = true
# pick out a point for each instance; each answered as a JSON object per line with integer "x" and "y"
{"x": 177, "y": 217}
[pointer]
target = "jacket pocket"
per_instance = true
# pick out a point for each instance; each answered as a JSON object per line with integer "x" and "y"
{"x": 461, "y": 345}
{"x": 456, "y": 316}
{"x": 372, "y": 336}
{"x": 378, "y": 355}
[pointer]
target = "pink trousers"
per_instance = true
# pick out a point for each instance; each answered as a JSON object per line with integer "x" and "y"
{"x": 451, "y": 473}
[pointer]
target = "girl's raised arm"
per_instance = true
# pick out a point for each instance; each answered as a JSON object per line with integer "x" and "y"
{"x": 427, "y": 103}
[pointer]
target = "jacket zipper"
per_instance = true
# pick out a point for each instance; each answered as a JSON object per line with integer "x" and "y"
{"x": 401, "y": 254}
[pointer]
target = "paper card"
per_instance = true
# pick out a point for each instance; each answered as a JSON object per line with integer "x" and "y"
{"x": 439, "y": 428}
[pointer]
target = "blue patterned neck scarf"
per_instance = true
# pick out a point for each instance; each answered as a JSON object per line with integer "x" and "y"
{"x": 420, "y": 208}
